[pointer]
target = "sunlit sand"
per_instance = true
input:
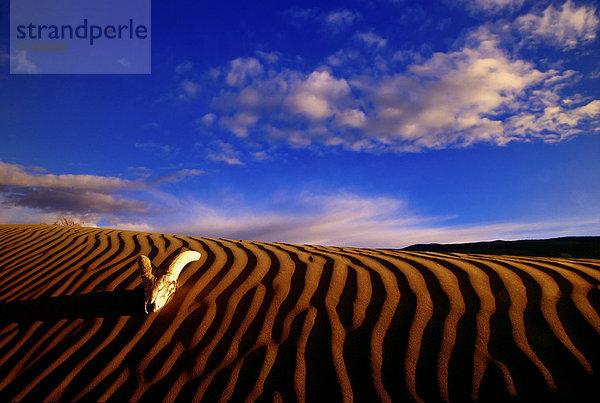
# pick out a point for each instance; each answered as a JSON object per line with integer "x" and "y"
{"x": 281, "y": 322}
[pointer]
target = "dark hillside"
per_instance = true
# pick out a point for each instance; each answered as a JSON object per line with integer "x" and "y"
{"x": 575, "y": 247}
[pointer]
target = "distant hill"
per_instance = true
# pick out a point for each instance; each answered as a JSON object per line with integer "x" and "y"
{"x": 575, "y": 247}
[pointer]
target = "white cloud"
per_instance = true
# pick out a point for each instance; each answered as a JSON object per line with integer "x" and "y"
{"x": 287, "y": 96}
{"x": 239, "y": 123}
{"x": 342, "y": 56}
{"x": 183, "y": 67}
{"x": 242, "y": 69}
{"x": 450, "y": 99}
{"x": 189, "y": 89}
{"x": 352, "y": 118}
{"x": 269, "y": 57}
{"x": 568, "y": 27}
{"x": 372, "y": 39}
{"x": 21, "y": 64}
{"x": 317, "y": 96}
{"x": 208, "y": 119}
{"x": 480, "y": 93}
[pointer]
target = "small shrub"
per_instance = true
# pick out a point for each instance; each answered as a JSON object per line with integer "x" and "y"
{"x": 67, "y": 221}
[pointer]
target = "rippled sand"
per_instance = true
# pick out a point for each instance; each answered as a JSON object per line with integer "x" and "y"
{"x": 268, "y": 321}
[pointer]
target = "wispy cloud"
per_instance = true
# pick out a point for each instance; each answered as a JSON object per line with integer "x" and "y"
{"x": 333, "y": 217}
{"x": 183, "y": 67}
{"x": 160, "y": 150}
{"x": 208, "y": 119}
{"x": 372, "y": 39}
{"x": 339, "y": 20}
{"x": 346, "y": 219}
{"x": 240, "y": 122}
{"x": 555, "y": 116}
{"x": 299, "y": 16}
{"x": 268, "y": 57}
{"x": 566, "y": 27}
{"x": 188, "y": 89}
{"x": 242, "y": 69}
{"x": 492, "y": 6}
{"x": 332, "y": 22}
{"x": 21, "y": 64}
{"x": 179, "y": 175}
{"x": 343, "y": 56}
{"x": 224, "y": 152}
{"x": 4, "y": 57}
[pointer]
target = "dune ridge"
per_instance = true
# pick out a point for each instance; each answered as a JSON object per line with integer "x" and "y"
{"x": 255, "y": 320}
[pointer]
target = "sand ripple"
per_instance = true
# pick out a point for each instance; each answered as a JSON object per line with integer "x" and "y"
{"x": 255, "y": 320}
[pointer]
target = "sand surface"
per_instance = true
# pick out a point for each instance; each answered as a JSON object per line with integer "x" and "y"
{"x": 277, "y": 322}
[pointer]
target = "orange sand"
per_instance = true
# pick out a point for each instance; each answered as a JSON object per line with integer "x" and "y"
{"x": 255, "y": 320}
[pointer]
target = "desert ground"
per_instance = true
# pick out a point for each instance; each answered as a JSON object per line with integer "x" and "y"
{"x": 279, "y": 322}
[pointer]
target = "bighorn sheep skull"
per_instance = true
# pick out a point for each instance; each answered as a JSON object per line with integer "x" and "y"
{"x": 159, "y": 285}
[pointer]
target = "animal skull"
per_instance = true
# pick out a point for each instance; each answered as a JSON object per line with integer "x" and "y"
{"x": 159, "y": 285}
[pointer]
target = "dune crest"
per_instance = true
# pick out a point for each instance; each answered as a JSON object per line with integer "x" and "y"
{"x": 256, "y": 320}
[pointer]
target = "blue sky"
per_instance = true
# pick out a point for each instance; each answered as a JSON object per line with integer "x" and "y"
{"x": 369, "y": 123}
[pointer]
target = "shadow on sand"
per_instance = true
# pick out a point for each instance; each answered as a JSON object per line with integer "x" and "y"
{"x": 86, "y": 306}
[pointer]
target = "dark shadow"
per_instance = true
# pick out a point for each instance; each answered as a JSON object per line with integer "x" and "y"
{"x": 87, "y": 306}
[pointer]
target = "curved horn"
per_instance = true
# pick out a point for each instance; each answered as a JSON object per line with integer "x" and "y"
{"x": 180, "y": 261}
{"x": 145, "y": 268}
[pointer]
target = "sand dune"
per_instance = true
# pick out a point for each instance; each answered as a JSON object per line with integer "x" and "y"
{"x": 254, "y": 320}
